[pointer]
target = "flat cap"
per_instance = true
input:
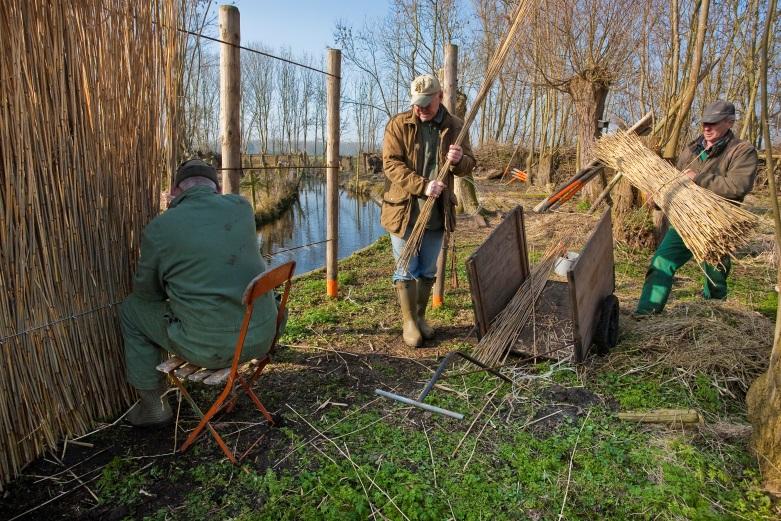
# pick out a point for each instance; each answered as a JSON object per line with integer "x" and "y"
{"x": 422, "y": 89}
{"x": 717, "y": 111}
{"x": 195, "y": 168}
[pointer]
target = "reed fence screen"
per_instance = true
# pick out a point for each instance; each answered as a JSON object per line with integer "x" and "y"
{"x": 88, "y": 123}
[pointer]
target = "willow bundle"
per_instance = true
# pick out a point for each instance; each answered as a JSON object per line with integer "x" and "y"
{"x": 412, "y": 245}
{"x": 505, "y": 329}
{"x": 710, "y": 225}
{"x": 89, "y": 111}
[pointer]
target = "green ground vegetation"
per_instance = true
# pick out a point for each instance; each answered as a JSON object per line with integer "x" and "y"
{"x": 548, "y": 447}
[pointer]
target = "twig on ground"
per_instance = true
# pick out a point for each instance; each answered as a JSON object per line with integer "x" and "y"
{"x": 346, "y": 456}
{"x": 431, "y": 452}
{"x": 477, "y": 417}
{"x": 571, "y": 460}
{"x": 313, "y": 438}
{"x": 477, "y": 439}
{"x": 52, "y": 500}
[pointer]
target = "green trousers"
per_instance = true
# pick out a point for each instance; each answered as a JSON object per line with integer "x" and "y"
{"x": 145, "y": 334}
{"x": 671, "y": 254}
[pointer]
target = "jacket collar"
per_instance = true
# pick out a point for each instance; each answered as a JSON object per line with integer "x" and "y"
{"x": 409, "y": 117}
{"x": 192, "y": 193}
{"x": 698, "y": 146}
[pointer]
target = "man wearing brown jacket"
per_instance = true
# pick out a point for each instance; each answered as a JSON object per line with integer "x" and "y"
{"x": 416, "y": 144}
{"x": 722, "y": 163}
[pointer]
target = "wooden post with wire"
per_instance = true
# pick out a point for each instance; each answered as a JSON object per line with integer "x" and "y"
{"x": 450, "y": 90}
{"x": 230, "y": 98}
{"x": 332, "y": 172}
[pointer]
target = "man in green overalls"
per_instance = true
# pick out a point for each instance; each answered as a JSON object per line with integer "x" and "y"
{"x": 196, "y": 261}
{"x": 722, "y": 163}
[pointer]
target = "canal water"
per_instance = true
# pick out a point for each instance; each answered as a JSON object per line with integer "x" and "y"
{"x": 300, "y": 233}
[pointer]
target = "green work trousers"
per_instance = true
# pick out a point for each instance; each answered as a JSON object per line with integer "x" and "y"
{"x": 145, "y": 332}
{"x": 671, "y": 254}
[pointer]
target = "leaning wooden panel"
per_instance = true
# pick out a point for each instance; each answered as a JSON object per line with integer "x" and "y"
{"x": 498, "y": 268}
{"x": 88, "y": 121}
{"x": 590, "y": 281}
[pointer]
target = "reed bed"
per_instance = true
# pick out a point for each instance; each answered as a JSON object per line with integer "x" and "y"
{"x": 711, "y": 226}
{"x": 412, "y": 246}
{"x": 89, "y": 120}
{"x": 506, "y": 328}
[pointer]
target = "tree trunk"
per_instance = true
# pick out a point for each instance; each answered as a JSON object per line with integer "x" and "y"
{"x": 764, "y": 396}
{"x": 671, "y": 146}
{"x": 588, "y": 97}
{"x": 464, "y": 187}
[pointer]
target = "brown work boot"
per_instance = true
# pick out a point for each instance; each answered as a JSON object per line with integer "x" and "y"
{"x": 407, "y": 292}
{"x": 424, "y": 291}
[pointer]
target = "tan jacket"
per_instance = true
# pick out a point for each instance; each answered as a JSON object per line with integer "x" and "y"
{"x": 402, "y": 162}
{"x": 729, "y": 173}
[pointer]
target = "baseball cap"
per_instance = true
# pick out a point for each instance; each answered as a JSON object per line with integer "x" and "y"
{"x": 195, "y": 168}
{"x": 422, "y": 89}
{"x": 717, "y": 111}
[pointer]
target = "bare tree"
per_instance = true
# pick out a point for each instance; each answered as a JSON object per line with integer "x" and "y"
{"x": 583, "y": 48}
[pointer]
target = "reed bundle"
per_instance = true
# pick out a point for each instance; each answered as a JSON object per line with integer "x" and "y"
{"x": 711, "y": 226}
{"x": 505, "y": 329}
{"x": 412, "y": 245}
{"x": 89, "y": 113}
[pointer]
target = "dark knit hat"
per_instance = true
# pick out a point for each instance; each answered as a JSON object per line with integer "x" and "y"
{"x": 195, "y": 168}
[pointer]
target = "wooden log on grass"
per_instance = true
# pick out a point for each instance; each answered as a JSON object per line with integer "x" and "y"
{"x": 671, "y": 416}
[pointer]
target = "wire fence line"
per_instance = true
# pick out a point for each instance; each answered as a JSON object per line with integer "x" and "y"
{"x": 242, "y": 47}
{"x": 112, "y": 304}
{"x": 256, "y": 51}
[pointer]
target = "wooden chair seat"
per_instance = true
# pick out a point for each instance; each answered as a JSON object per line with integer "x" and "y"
{"x": 238, "y": 376}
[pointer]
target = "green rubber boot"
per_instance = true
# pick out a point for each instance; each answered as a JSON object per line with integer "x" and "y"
{"x": 424, "y": 292}
{"x": 407, "y": 292}
{"x": 152, "y": 410}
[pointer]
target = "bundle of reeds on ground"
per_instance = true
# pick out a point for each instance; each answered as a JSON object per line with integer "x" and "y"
{"x": 711, "y": 226}
{"x": 505, "y": 329}
{"x": 89, "y": 111}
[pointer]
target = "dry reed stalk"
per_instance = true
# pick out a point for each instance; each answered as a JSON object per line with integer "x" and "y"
{"x": 412, "y": 245}
{"x": 88, "y": 124}
{"x": 711, "y": 226}
{"x": 728, "y": 343}
{"x": 505, "y": 329}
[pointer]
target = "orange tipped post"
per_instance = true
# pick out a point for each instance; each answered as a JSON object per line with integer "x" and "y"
{"x": 332, "y": 288}
{"x": 437, "y": 301}
{"x": 333, "y": 89}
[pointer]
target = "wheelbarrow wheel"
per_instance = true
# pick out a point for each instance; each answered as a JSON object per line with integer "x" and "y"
{"x": 606, "y": 334}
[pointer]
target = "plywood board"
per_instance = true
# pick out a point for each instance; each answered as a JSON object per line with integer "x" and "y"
{"x": 497, "y": 269}
{"x": 591, "y": 279}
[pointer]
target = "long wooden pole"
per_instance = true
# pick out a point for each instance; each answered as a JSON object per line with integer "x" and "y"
{"x": 450, "y": 90}
{"x": 333, "y": 89}
{"x": 230, "y": 98}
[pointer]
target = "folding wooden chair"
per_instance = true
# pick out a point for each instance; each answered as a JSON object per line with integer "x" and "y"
{"x": 179, "y": 369}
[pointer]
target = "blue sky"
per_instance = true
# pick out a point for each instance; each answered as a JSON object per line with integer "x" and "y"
{"x": 303, "y": 25}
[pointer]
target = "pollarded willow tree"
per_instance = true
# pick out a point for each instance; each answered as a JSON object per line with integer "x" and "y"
{"x": 583, "y": 48}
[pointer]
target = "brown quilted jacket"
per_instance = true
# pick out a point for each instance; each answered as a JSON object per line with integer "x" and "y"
{"x": 402, "y": 162}
{"x": 730, "y": 173}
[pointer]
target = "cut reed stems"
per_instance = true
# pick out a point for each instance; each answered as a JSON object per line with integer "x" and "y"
{"x": 88, "y": 121}
{"x": 505, "y": 329}
{"x": 711, "y": 226}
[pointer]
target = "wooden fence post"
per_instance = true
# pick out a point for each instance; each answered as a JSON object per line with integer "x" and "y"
{"x": 332, "y": 172}
{"x": 230, "y": 98}
{"x": 450, "y": 89}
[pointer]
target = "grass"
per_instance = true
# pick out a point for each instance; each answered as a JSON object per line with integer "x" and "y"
{"x": 400, "y": 463}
